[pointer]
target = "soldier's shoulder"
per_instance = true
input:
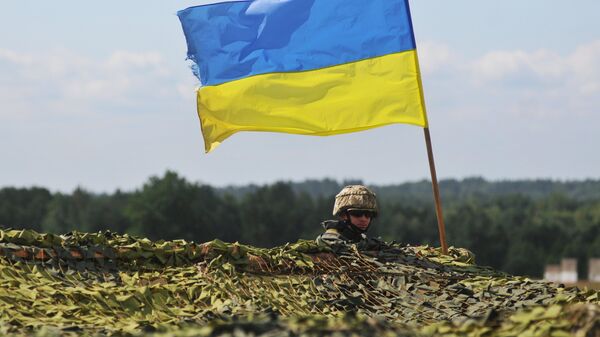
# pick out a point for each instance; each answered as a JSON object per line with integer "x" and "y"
{"x": 331, "y": 236}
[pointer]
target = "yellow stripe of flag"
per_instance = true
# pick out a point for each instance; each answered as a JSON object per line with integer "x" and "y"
{"x": 338, "y": 99}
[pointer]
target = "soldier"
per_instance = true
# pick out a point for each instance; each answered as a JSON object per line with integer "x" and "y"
{"x": 356, "y": 207}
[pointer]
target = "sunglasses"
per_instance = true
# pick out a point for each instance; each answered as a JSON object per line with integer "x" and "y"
{"x": 360, "y": 213}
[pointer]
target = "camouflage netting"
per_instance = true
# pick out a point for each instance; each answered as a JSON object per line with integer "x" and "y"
{"x": 106, "y": 284}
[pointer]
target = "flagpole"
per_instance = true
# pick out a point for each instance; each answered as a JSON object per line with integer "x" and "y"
{"x": 434, "y": 182}
{"x": 436, "y": 193}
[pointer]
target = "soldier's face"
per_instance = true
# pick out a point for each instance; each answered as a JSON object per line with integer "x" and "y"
{"x": 362, "y": 221}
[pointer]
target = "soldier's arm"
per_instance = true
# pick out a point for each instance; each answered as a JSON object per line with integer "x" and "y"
{"x": 331, "y": 237}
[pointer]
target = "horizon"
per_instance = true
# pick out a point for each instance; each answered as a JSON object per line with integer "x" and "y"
{"x": 305, "y": 180}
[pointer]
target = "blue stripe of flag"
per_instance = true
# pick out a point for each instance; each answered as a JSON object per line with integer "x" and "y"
{"x": 234, "y": 40}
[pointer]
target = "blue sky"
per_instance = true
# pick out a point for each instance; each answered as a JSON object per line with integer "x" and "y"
{"x": 100, "y": 95}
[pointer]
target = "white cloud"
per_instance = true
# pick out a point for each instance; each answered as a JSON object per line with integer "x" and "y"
{"x": 539, "y": 83}
{"x": 186, "y": 91}
{"x": 585, "y": 64}
{"x": 39, "y": 82}
{"x": 435, "y": 57}
{"x": 498, "y": 65}
{"x": 580, "y": 69}
{"x": 121, "y": 59}
{"x": 11, "y": 56}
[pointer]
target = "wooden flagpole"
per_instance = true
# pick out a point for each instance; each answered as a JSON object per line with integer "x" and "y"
{"x": 436, "y": 193}
{"x": 434, "y": 182}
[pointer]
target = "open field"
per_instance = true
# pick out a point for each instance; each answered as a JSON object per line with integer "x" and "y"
{"x": 103, "y": 284}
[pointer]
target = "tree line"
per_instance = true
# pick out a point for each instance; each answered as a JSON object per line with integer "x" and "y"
{"x": 517, "y": 227}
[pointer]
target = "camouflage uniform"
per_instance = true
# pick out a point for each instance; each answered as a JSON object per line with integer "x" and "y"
{"x": 339, "y": 232}
{"x": 353, "y": 197}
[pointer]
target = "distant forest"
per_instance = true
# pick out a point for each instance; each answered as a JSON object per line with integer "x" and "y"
{"x": 515, "y": 226}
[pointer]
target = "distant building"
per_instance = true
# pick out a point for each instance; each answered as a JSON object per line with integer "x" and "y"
{"x": 568, "y": 270}
{"x": 594, "y": 270}
{"x": 552, "y": 273}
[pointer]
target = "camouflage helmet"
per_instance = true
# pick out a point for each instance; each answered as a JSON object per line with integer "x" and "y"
{"x": 355, "y": 197}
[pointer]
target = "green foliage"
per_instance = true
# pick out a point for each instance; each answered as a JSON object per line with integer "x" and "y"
{"x": 502, "y": 222}
{"x": 24, "y": 207}
{"x": 274, "y": 215}
{"x": 83, "y": 210}
{"x": 170, "y": 207}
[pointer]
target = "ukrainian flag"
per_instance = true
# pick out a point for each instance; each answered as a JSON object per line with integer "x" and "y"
{"x": 311, "y": 67}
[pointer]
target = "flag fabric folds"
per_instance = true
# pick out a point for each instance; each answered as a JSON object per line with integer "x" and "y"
{"x": 313, "y": 67}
